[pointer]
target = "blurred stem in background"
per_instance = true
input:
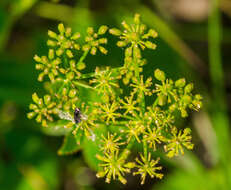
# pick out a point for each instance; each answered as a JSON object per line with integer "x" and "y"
{"x": 9, "y": 16}
{"x": 219, "y": 113}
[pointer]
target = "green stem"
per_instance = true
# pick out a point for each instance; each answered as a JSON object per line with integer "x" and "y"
{"x": 127, "y": 117}
{"x": 219, "y": 114}
{"x": 142, "y": 102}
{"x": 84, "y": 85}
{"x": 91, "y": 75}
{"x": 83, "y": 57}
{"x": 145, "y": 149}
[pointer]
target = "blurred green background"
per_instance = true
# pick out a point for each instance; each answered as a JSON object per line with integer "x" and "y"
{"x": 194, "y": 42}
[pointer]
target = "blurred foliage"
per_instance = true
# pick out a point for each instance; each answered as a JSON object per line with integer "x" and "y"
{"x": 28, "y": 157}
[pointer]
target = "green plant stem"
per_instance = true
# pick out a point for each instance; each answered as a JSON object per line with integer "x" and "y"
{"x": 81, "y": 59}
{"x": 142, "y": 102}
{"x": 145, "y": 149}
{"x": 127, "y": 117}
{"x": 84, "y": 85}
{"x": 91, "y": 75}
{"x": 219, "y": 105}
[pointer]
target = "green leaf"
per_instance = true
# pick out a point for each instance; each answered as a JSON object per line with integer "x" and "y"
{"x": 69, "y": 145}
{"x": 92, "y": 147}
{"x": 57, "y": 128}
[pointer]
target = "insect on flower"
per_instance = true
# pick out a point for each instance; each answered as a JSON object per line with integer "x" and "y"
{"x": 78, "y": 116}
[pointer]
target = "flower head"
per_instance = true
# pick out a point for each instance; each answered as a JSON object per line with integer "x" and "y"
{"x": 64, "y": 42}
{"x": 129, "y": 105}
{"x": 111, "y": 143}
{"x": 105, "y": 82}
{"x": 114, "y": 166}
{"x": 153, "y": 136}
{"x": 178, "y": 141}
{"x": 48, "y": 65}
{"x": 147, "y": 166}
{"x": 108, "y": 111}
{"x": 94, "y": 42}
{"x": 135, "y": 34}
{"x": 43, "y": 109}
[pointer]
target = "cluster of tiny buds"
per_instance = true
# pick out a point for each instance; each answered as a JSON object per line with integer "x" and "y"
{"x": 122, "y": 113}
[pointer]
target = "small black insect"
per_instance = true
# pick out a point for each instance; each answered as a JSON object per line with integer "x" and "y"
{"x": 77, "y": 115}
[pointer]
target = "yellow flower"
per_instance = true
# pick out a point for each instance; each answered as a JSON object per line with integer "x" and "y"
{"x": 111, "y": 143}
{"x": 178, "y": 141}
{"x": 135, "y": 34}
{"x": 147, "y": 166}
{"x": 114, "y": 166}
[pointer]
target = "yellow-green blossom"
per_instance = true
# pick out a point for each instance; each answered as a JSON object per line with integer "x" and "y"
{"x": 48, "y": 65}
{"x": 64, "y": 42}
{"x": 111, "y": 143}
{"x": 178, "y": 141}
{"x": 105, "y": 82}
{"x": 130, "y": 105}
{"x": 153, "y": 136}
{"x": 43, "y": 109}
{"x": 94, "y": 41}
{"x": 141, "y": 87}
{"x": 147, "y": 166}
{"x": 114, "y": 166}
{"x": 135, "y": 34}
{"x": 108, "y": 111}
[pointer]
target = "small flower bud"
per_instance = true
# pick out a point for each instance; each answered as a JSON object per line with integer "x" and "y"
{"x": 51, "y": 43}
{"x": 69, "y": 53}
{"x": 137, "y": 18}
{"x": 32, "y": 106}
{"x": 115, "y": 31}
{"x": 128, "y": 52}
{"x": 51, "y": 54}
{"x": 31, "y": 115}
{"x": 173, "y": 107}
{"x": 152, "y": 33}
{"x": 121, "y": 43}
{"x": 37, "y": 58}
{"x": 59, "y": 52}
{"x": 70, "y": 75}
{"x": 52, "y": 34}
{"x": 150, "y": 45}
{"x": 102, "y": 50}
{"x": 81, "y": 66}
{"x": 86, "y": 47}
{"x": 122, "y": 180}
{"x": 188, "y": 88}
{"x": 103, "y": 40}
{"x": 61, "y": 28}
{"x": 93, "y": 50}
{"x": 126, "y": 80}
{"x": 180, "y": 83}
{"x": 102, "y": 30}
{"x": 72, "y": 93}
{"x": 68, "y": 32}
{"x": 137, "y": 52}
{"x": 77, "y": 46}
{"x": 162, "y": 100}
{"x": 198, "y": 97}
{"x": 35, "y": 98}
{"x": 75, "y": 36}
{"x": 47, "y": 99}
{"x": 90, "y": 30}
{"x": 159, "y": 75}
{"x": 183, "y": 113}
{"x": 39, "y": 118}
{"x": 101, "y": 174}
{"x": 125, "y": 25}
{"x": 187, "y": 99}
